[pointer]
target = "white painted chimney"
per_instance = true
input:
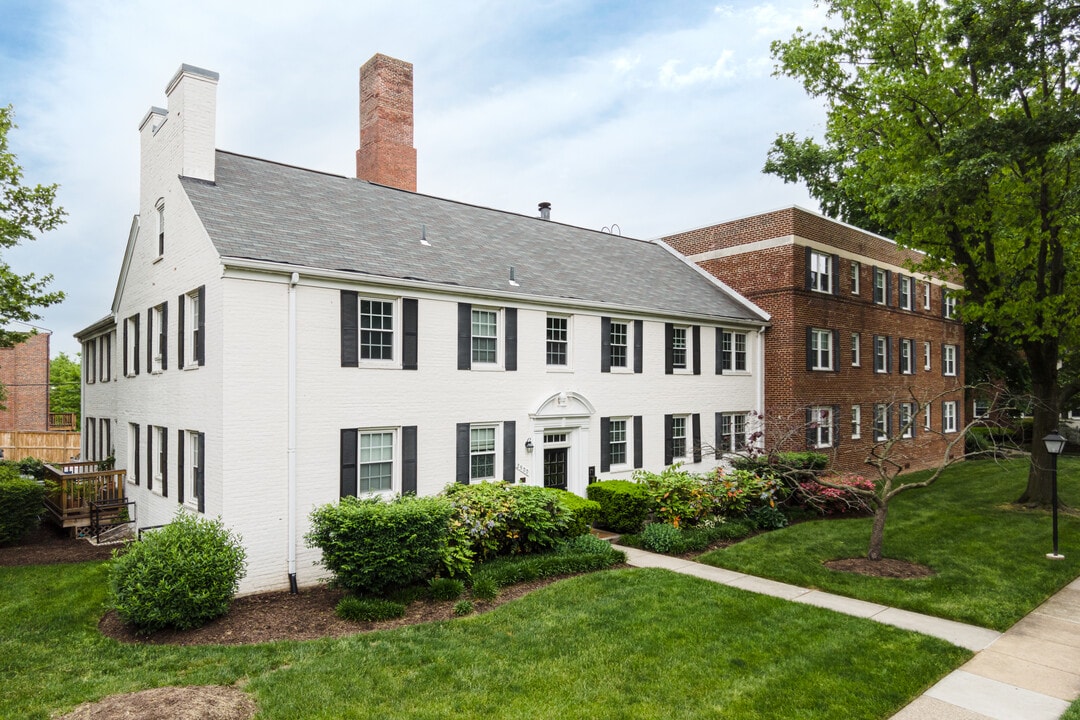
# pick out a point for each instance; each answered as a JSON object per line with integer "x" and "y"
{"x": 192, "y": 95}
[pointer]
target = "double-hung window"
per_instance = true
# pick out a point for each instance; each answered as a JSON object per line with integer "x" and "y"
{"x": 948, "y": 416}
{"x": 558, "y": 341}
{"x": 617, "y": 439}
{"x": 733, "y": 351}
{"x": 158, "y": 338}
{"x": 881, "y": 354}
{"x": 376, "y": 329}
{"x": 485, "y": 336}
{"x": 820, "y": 431}
{"x": 678, "y": 437}
{"x": 926, "y": 295}
{"x": 906, "y": 290}
{"x": 907, "y": 356}
{"x": 856, "y": 268}
{"x": 926, "y": 416}
{"x": 948, "y": 360}
{"x": 161, "y": 227}
{"x": 856, "y": 422}
{"x": 856, "y": 350}
{"x": 482, "y": 453}
{"x": 679, "y": 347}
{"x": 881, "y": 286}
{"x": 732, "y": 432}
{"x": 131, "y": 346}
{"x": 881, "y": 422}
{"x": 907, "y": 420}
{"x": 105, "y": 343}
{"x": 192, "y": 329}
{"x": 375, "y": 461}
{"x": 949, "y": 304}
{"x": 926, "y": 355}
{"x": 981, "y": 407}
{"x": 821, "y": 349}
{"x": 618, "y": 341}
{"x": 821, "y": 279}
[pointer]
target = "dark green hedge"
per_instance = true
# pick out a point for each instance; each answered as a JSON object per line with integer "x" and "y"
{"x": 624, "y": 505}
{"x": 21, "y": 506}
{"x": 585, "y": 512}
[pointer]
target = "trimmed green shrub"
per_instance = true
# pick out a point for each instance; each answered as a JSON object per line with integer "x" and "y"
{"x": 583, "y": 512}
{"x": 584, "y": 544}
{"x": 179, "y": 576}
{"x": 510, "y": 570}
{"x": 463, "y": 607}
{"x": 21, "y": 505}
{"x": 362, "y": 609}
{"x": 484, "y": 588}
{"x": 661, "y": 537}
{"x": 768, "y": 517}
{"x": 696, "y": 539}
{"x": 445, "y": 589}
{"x": 503, "y": 519}
{"x": 371, "y": 545}
{"x": 624, "y": 505}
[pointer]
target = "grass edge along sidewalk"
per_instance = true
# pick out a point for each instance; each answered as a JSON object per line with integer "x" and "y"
{"x": 623, "y": 643}
{"x": 988, "y": 555}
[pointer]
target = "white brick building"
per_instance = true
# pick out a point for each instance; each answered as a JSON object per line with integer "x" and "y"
{"x": 280, "y": 337}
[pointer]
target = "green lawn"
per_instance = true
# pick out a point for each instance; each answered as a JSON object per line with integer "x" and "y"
{"x": 1073, "y": 713}
{"x": 990, "y": 558}
{"x": 615, "y": 644}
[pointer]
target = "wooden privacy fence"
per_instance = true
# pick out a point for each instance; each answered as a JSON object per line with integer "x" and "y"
{"x": 55, "y": 447}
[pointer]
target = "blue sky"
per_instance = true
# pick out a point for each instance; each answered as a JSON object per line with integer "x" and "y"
{"x": 655, "y": 116}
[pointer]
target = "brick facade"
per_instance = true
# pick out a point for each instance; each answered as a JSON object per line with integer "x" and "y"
{"x": 386, "y": 155}
{"x": 765, "y": 257}
{"x": 24, "y": 372}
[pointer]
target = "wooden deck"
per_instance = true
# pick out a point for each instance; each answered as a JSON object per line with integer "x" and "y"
{"x": 85, "y": 495}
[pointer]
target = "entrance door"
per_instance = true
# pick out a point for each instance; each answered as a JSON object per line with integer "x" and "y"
{"x": 555, "y": 467}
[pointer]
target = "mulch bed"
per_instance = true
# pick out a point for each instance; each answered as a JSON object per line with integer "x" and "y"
{"x": 884, "y": 568}
{"x": 48, "y": 545}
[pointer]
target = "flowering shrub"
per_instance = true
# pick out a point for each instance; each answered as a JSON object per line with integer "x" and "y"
{"x": 502, "y": 519}
{"x": 679, "y": 497}
{"x": 829, "y": 501}
{"x": 739, "y": 491}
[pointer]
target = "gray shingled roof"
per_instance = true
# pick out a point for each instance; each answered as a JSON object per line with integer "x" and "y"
{"x": 266, "y": 211}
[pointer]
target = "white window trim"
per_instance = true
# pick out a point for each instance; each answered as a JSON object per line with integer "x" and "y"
{"x": 856, "y": 270}
{"x": 191, "y": 460}
{"x": 950, "y": 306}
{"x": 926, "y": 422}
{"x": 569, "y": 365}
{"x": 395, "y": 334}
{"x": 500, "y": 335}
{"x": 907, "y": 367}
{"x": 926, "y": 295}
{"x": 907, "y": 420}
{"x": 395, "y": 461}
{"x": 821, "y": 281}
{"x": 948, "y": 416}
{"x": 628, "y": 441}
{"x": 629, "y": 366}
{"x": 926, "y": 356}
{"x": 730, "y": 355}
{"x": 882, "y": 369}
{"x": 948, "y": 360}
{"x": 735, "y": 445}
{"x": 157, "y": 313}
{"x": 133, "y": 453}
{"x": 815, "y": 336}
{"x": 881, "y": 431}
{"x": 131, "y": 324}
{"x": 856, "y": 349}
{"x": 906, "y": 282}
{"x": 688, "y": 454}
{"x": 497, "y": 463}
{"x": 856, "y": 422}
{"x": 823, "y": 416}
{"x": 880, "y": 273}
{"x": 159, "y": 217}
{"x": 191, "y": 327}
{"x": 160, "y": 437}
{"x": 975, "y": 408}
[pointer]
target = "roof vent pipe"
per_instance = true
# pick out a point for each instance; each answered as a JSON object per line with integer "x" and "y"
{"x": 545, "y": 211}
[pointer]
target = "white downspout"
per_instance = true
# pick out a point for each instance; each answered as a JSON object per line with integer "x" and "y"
{"x": 760, "y": 389}
{"x": 291, "y": 451}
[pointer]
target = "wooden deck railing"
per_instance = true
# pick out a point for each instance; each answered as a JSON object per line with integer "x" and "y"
{"x": 77, "y": 485}
{"x": 62, "y": 421}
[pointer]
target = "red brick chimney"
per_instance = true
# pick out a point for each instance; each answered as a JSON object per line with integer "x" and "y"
{"x": 386, "y": 155}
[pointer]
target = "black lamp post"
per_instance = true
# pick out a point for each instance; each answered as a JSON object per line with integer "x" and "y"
{"x": 1055, "y": 445}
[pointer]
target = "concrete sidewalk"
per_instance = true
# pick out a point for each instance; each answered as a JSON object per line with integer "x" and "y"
{"x": 1031, "y": 672}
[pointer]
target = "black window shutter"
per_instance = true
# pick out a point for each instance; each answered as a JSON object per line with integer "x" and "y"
{"x": 639, "y": 344}
{"x": 810, "y": 348}
{"x": 720, "y": 351}
{"x": 200, "y": 476}
{"x": 463, "y": 452}
{"x": 164, "y": 463}
{"x": 348, "y": 462}
{"x": 911, "y": 355}
{"x": 944, "y": 292}
{"x": 509, "y": 450}
{"x": 464, "y": 341}
{"x": 150, "y": 340}
{"x": 163, "y": 336}
{"x": 350, "y": 333}
{"x": 836, "y": 425}
{"x": 605, "y": 344}
{"x": 914, "y": 414}
{"x": 811, "y": 435}
{"x": 180, "y": 307}
{"x": 834, "y": 356}
{"x": 605, "y": 444}
{"x": 133, "y": 454}
{"x": 638, "y": 442}
{"x": 408, "y": 460}
{"x": 510, "y": 323}
{"x": 669, "y": 451}
{"x": 809, "y": 271}
{"x": 200, "y": 347}
{"x": 410, "y": 333}
{"x": 180, "y": 466}
{"x": 126, "y": 346}
{"x": 697, "y": 349}
{"x": 718, "y": 438}
{"x": 149, "y": 457}
{"x": 888, "y": 288}
{"x": 135, "y": 354}
{"x": 696, "y": 422}
{"x": 835, "y": 274}
{"x": 888, "y": 355}
{"x": 669, "y": 350}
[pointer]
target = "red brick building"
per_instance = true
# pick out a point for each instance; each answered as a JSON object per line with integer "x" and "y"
{"x": 24, "y": 372}
{"x": 861, "y": 348}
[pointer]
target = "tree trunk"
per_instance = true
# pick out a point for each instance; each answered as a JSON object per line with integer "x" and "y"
{"x": 1042, "y": 360}
{"x": 877, "y": 533}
